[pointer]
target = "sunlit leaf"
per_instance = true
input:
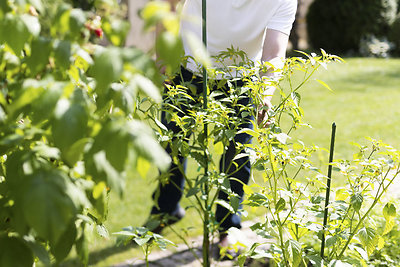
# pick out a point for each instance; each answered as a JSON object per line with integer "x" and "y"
{"x": 219, "y": 148}
{"x": 369, "y": 239}
{"x": 324, "y": 84}
{"x": 356, "y": 201}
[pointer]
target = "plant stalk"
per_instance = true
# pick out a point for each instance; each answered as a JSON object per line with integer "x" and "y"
{"x": 328, "y": 188}
{"x": 206, "y": 232}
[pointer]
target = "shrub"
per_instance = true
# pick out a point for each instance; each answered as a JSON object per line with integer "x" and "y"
{"x": 70, "y": 124}
{"x": 394, "y": 35}
{"x": 370, "y": 46}
{"x": 338, "y": 26}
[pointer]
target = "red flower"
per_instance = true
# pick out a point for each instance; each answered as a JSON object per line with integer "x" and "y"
{"x": 99, "y": 32}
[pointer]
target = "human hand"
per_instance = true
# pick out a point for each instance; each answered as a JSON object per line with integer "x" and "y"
{"x": 264, "y": 108}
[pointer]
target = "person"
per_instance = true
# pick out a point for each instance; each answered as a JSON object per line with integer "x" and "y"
{"x": 260, "y": 28}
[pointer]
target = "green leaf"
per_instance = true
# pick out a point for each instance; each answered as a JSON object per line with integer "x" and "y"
{"x": 14, "y": 252}
{"x": 82, "y": 249}
{"x": 192, "y": 191}
{"x": 20, "y": 34}
{"x": 369, "y": 239}
{"x": 116, "y": 30}
{"x": 46, "y": 207}
{"x": 153, "y": 12}
{"x": 341, "y": 194}
{"x": 219, "y": 148}
{"x": 235, "y": 202}
{"x": 124, "y": 97}
{"x": 143, "y": 63}
{"x": 65, "y": 243}
{"x": 3, "y": 115}
{"x": 295, "y": 251}
{"x": 77, "y": 19}
{"x": 296, "y": 98}
{"x": 147, "y": 86}
{"x": 199, "y": 51}
{"x": 62, "y": 54}
{"x": 32, "y": 89}
{"x": 40, "y": 52}
{"x": 356, "y": 201}
{"x": 280, "y": 205}
{"x": 316, "y": 260}
{"x": 145, "y": 144}
{"x": 142, "y": 166}
{"x": 45, "y": 151}
{"x": 4, "y": 6}
{"x": 142, "y": 240}
{"x": 324, "y": 85}
{"x": 105, "y": 169}
{"x": 61, "y": 25}
{"x": 107, "y": 67}
{"x": 70, "y": 127}
{"x": 113, "y": 138}
{"x": 330, "y": 241}
{"x": 389, "y": 212}
{"x": 32, "y": 24}
{"x": 362, "y": 252}
{"x": 44, "y": 105}
{"x": 40, "y": 252}
{"x": 162, "y": 242}
{"x": 225, "y": 204}
{"x": 102, "y": 230}
{"x": 281, "y": 137}
{"x": 199, "y": 157}
{"x": 169, "y": 49}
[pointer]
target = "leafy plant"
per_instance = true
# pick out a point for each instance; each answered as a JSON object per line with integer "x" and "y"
{"x": 144, "y": 238}
{"x": 69, "y": 125}
{"x": 224, "y": 115}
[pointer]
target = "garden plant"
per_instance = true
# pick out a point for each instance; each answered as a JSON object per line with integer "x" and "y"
{"x": 68, "y": 123}
{"x": 292, "y": 190}
{"x": 75, "y": 116}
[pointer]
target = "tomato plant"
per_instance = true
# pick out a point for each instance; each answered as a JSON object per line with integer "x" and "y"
{"x": 69, "y": 124}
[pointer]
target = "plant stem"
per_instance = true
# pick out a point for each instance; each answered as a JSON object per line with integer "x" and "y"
{"x": 280, "y": 226}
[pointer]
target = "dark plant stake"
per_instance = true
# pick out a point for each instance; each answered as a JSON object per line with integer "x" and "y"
{"x": 206, "y": 234}
{"x": 328, "y": 188}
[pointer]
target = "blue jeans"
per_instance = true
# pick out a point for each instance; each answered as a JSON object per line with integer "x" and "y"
{"x": 170, "y": 194}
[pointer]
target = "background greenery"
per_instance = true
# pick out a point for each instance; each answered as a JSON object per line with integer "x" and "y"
{"x": 353, "y": 26}
{"x": 363, "y": 102}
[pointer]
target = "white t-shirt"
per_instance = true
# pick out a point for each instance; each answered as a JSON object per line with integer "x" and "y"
{"x": 238, "y": 23}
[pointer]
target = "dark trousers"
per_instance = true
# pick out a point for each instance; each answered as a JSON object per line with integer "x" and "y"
{"x": 170, "y": 194}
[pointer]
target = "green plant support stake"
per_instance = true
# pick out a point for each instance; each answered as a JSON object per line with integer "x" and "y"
{"x": 206, "y": 233}
{"x": 328, "y": 188}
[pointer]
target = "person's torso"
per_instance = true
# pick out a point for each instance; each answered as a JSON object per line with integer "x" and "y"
{"x": 239, "y": 24}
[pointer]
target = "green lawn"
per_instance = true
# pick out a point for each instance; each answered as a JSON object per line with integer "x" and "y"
{"x": 364, "y": 102}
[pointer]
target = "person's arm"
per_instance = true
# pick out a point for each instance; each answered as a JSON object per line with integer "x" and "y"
{"x": 274, "y": 51}
{"x": 173, "y": 3}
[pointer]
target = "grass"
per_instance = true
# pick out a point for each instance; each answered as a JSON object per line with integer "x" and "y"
{"x": 364, "y": 102}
